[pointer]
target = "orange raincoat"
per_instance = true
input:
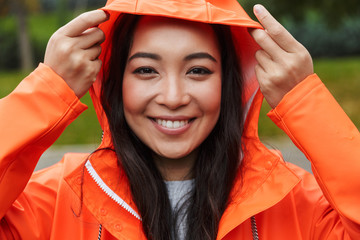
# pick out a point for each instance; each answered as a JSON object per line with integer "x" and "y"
{"x": 287, "y": 202}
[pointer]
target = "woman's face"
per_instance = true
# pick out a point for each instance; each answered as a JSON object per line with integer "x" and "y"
{"x": 172, "y": 85}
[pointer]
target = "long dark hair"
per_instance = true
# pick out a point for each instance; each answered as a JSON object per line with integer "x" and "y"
{"x": 219, "y": 155}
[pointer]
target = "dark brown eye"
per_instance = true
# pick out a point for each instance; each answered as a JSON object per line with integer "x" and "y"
{"x": 145, "y": 70}
{"x": 199, "y": 71}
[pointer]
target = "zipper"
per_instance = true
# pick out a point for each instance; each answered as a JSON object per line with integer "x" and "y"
{"x": 254, "y": 229}
{"x": 108, "y": 190}
{"x": 100, "y": 230}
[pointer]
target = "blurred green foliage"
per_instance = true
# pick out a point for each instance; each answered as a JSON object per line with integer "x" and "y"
{"x": 9, "y": 57}
{"x": 40, "y": 33}
{"x": 323, "y": 41}
{"x": 41, "y": 25}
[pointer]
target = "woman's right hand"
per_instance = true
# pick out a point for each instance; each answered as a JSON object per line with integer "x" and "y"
{"x": 73, "y": 51}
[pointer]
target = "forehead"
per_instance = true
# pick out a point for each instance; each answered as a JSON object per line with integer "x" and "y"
{"x": 179, "y": 32}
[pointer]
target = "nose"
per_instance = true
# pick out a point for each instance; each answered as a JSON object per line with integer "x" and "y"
{"x": 173, "y": 93}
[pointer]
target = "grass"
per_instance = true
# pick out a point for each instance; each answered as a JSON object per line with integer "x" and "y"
{"x": 341, "y": 76}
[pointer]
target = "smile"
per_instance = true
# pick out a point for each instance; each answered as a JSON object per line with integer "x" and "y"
{"x": 171, "y": 124}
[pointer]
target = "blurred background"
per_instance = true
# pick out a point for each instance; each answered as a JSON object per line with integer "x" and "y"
{"x": 329, "y": 29}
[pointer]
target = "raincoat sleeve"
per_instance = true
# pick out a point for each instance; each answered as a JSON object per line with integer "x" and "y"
{"x": 319, "y": 127}
{"x": 32, "y": 117}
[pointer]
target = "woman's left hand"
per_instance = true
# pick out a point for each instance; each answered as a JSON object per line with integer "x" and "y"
{"x": 282, "y": 62}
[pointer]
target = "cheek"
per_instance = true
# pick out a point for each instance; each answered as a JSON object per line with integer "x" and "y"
{"x": 210, "y": 97}
{"x": 129, "y": 98}
{"x": 134, "y": 96}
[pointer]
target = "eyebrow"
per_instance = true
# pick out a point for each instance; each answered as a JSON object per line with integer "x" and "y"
{"x": 198, "y": 55}
{"x": 145, "y": 55}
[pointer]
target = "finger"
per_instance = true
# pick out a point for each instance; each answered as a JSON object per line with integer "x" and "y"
{"x": 91, "y": 37}
{"x": 277, "y": 32}
{"x": 96, "y": 66}
{"x": 261, "y": 76}
{"x": 94, "y": 52}
{"x": 267, "y": 43}
{"x": 264, "y": 60}
{"x": 86, "y": 20}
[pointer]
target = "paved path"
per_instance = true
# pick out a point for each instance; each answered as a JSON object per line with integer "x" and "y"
{"x": 288, "y": 149}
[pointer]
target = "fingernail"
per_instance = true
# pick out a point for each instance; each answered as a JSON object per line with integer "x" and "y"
{"x": 258, "y": 9}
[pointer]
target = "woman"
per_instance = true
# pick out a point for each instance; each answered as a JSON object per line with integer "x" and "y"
{"x": 177, "y": 111}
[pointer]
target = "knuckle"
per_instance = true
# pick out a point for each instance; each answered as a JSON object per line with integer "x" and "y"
{"x": 262, "y": 37}
{"x": 101, "y": 34}
{"x": 276, "y": 31}
{"x": 84, "y": 19}
{"x": 277, "y": 76}
{"x": 286, "y": 74}
{"x": 257, "y": 58}
{"x": 265, "y": 86}
{"x": 92, "y": 69}
{"x": 55, "y": 38}
{"x": 64, "y": 48}
{"x": 91, "y": 72}
{"x": 60, "y": 31}
{"x": 258, "y": 54}
{"x": 257, "y": 68}
{"x": 99, "y": 49}
{"x": 288, "y": 66}
{"x": 97, "y": 66}
{"x": 264, "y": 18}
{"x": 77, "y": 62}
{"x": 304, "y": 56}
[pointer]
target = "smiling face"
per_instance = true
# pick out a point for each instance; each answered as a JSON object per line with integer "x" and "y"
{"x": 172, "y": 85}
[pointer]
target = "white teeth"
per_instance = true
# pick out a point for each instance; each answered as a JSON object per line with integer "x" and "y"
{"x": 169, "y": 124}
{"x": 172, "y": 124}
{"x": 182, "y": 123}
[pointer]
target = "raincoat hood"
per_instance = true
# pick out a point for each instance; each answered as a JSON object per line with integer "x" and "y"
{"x": 226, "y": 12}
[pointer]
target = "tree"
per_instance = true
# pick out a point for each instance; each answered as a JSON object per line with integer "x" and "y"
{"x": 20, "y": 8}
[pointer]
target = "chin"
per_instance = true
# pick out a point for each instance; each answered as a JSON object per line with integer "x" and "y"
{"x": 173, "y": 155}
{"x": 191, "y": 153}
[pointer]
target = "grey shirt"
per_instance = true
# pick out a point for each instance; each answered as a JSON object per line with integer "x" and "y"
{"x": 177, "y": 191}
